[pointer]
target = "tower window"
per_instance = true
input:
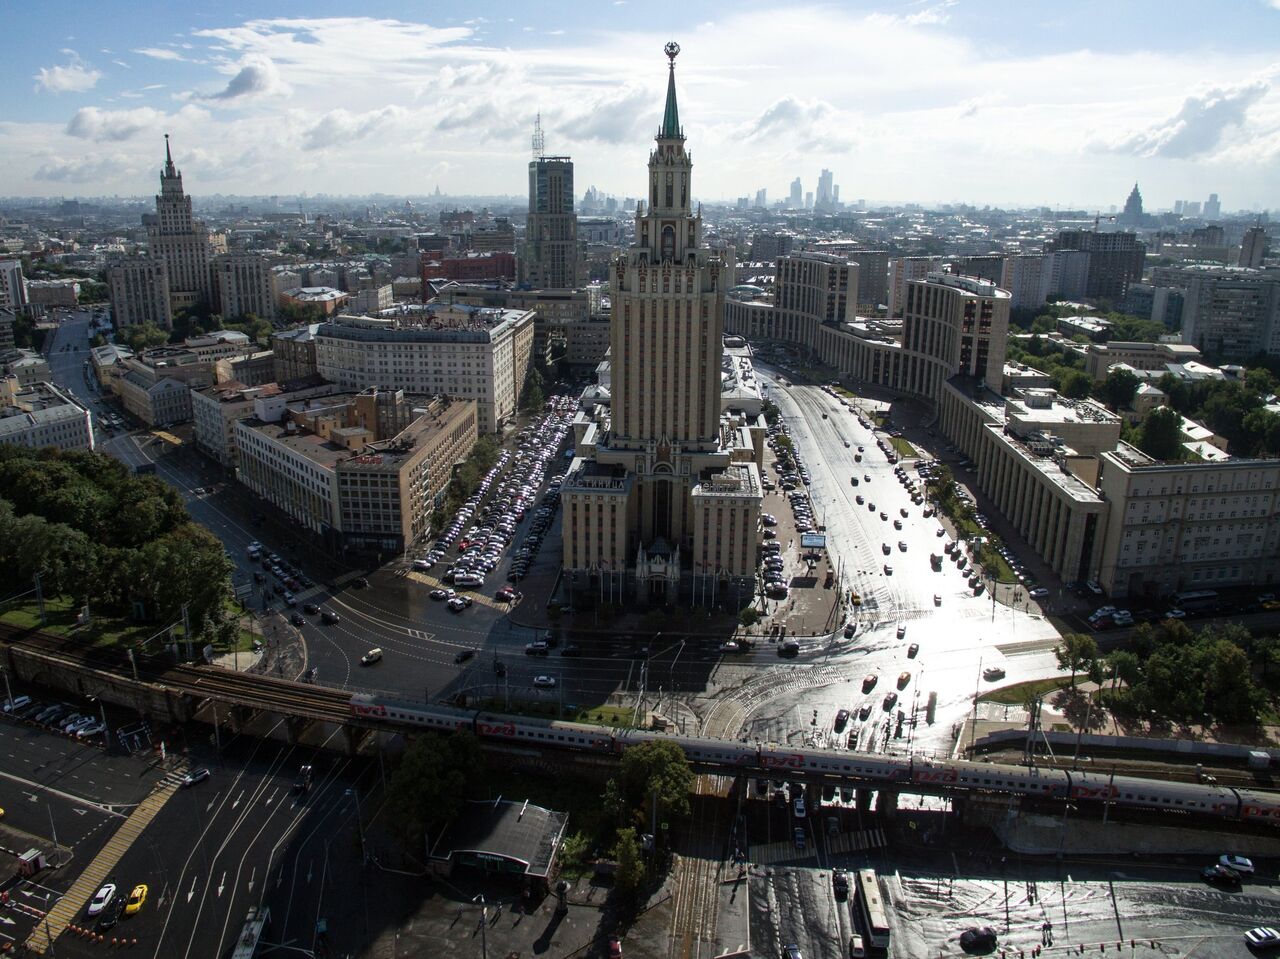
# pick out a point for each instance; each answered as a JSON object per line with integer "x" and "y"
{"x": 668, "y": 242}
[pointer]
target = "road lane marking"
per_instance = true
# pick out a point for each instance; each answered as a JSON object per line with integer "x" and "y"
{"x": 60, "y": 794}
{"x": 222, "y": 883}
{"x": 192, "y": 892}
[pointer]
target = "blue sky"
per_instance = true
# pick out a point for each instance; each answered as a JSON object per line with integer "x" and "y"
{"x": 1010, "y": 102}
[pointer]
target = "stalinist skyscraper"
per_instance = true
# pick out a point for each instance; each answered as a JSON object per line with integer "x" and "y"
{"x": 671, "y": 486}
{"x": 181, "y": 242}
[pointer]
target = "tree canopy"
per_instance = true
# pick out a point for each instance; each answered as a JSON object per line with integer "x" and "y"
{"x": 435, "y": 776}
{"x": 95, "y": 531}
{"x": 1160, "y": 435}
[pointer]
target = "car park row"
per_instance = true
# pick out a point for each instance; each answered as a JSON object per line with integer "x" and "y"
{"x": 485, "y": 524}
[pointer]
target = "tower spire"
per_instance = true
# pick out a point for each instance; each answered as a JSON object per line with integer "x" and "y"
{"x": 671, "y": 116}
{"x": 168, "y": 158}
{"x": 539, "y": 142}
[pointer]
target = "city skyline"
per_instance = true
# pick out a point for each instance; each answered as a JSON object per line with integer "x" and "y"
{"x": 926, "y": 106}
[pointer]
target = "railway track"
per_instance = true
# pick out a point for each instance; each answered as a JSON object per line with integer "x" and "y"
{"x": 696, "y": 898}
{"x": 206, "y": 682}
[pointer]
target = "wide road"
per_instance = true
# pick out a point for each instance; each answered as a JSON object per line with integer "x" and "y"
{"x": 958, "y": 634}
{"x": 428, "y": 651}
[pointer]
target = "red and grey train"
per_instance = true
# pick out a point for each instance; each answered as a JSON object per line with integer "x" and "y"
{"x": 861, "y": 770}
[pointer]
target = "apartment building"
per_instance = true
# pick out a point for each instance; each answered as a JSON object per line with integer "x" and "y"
{"x": 812, "y": 289}
{"x": 1027, "y": 277}
{"x": 1114, "y": 260}
{"x": 13, "y": 285}
{"x": 295, "y": 352}
{"x": 1188, "y": 526}
{"x": 139, "y": 290}
{"x": 1040, "y": 484}
{"x": 215, "y": 410}
{"x": 363, "y": 471}
{"x": 471, "y": 353}
{"x": 1140, "y": 356}
{"x": 39, "y": 414}
{"x": 902, "y": 271}
{"x": 1231, "y": 313}
{"x": 244, "y": 284}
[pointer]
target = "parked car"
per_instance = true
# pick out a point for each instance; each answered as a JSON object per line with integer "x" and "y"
{"x": 1218, "y": 875}
{"x": 978, "y": 939}
{"x": 12, "y": 706}
{"x": 137, "y": 899}
{"x": 102, "y": 898}
{"x": 1262, "y": 937}
{"x": 1240, "y": 864}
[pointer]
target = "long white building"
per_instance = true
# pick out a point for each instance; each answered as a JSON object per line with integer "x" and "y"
{"x": 40, "y": 415}
{"x": 465, "y": 352}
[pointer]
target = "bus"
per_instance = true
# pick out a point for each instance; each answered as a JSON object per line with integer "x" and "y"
{"x": 1195, "y": 599}
{"x": 871, "y": 908}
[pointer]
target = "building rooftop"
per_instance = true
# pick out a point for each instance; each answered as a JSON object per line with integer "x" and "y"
{"x": 739, "y": 479}
{"x": 314, "y": 294}
{"x": 513, "y": 831}
{"x": 426, "y": 322}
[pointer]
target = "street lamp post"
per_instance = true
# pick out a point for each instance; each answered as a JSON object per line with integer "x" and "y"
{"x": 484, "y": 923}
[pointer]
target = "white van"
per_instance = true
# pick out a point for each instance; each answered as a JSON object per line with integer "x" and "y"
{"x": 468, "y": 580}
{"x": 371, "y": 657}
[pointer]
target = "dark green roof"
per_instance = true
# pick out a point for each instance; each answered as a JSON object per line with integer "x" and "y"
{"x": 671, "y": 117}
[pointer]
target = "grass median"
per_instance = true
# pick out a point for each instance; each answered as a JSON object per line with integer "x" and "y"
{"x": 1020, "y": 693}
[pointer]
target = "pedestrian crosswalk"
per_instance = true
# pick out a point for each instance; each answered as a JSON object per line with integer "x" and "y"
{"x": 434, "y": 582}
{"x": 96, "y": 873}
{"x": 776, "y": 852}
{"x": 856, "y": 841}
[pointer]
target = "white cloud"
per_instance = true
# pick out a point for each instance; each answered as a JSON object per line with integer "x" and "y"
{"x": 90, "y": 123}
{"x": 121, "y": 63}
{"x": 74, "y": 77}
{"x": 1198, "y": 127}
{"x": 396, "y": 100}
{"x": 256, "y": 76}
{"x": 342, "y": 127}
{"x": 89, "y": 169}
{"x": 160, "y": 53}
{"x": 929, "y": 16}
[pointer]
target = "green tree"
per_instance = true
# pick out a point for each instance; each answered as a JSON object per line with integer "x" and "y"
{"x": 533, "y": 398}
{"x": 1124, "y": 667}
{"x": 629, "y": 875}
{"x": 1075, "y": 384}
{"x": 1262, "y": 427}
{"x": 1230, "y": 693}
{"x": 142, "y": 336}
{"x": 435, "y": 775}
{"x": 1160, "y": 435}
{"x": 660, "y": 768}
{"x": 1076, "y": 652}
{"x": 1119, "y": 388}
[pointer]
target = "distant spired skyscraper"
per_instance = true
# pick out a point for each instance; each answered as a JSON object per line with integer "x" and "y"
{"x": 670, "y": 489}
{"x": 1132, "y": 208}
{"x": 180, "y": 241}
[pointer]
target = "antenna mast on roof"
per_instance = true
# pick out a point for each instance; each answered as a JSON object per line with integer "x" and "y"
{"x": 539, "y": 142}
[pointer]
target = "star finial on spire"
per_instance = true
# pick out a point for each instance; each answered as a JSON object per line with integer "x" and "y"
{"x": 671, "y": 116}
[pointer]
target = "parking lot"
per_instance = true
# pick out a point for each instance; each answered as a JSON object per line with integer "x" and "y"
{"x": 476, "y": 540}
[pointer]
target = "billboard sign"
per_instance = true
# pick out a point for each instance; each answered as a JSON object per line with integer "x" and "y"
{"x": 813, "y": 540}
